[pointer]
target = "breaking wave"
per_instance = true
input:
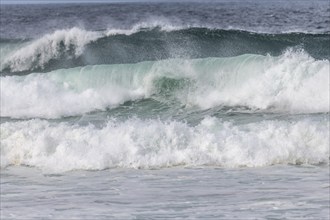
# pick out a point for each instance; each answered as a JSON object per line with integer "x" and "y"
{"x": 293, "y": 82}
{"x": 134, "y": 143}
{"x": 77, "y": 47}
{"x": 36, "y": 54}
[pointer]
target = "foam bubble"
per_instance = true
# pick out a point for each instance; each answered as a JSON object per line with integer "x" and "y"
{"x": 135, "y": 144}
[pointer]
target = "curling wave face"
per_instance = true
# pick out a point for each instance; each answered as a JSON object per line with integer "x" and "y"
{"x": 77, "y": 47}
{"x": 293, "y": 82}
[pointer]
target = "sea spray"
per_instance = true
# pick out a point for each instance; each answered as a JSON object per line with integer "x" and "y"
{"x": 293, "y": 82}
{"x": 78, "y": 47}
{"x": 68, "y": 43}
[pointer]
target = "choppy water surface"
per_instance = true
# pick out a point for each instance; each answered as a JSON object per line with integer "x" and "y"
{"x": 278, "y": 192}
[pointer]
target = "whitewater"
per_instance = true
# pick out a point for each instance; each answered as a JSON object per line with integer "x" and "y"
{"x": 177, "y": 110}
{"x": 286, "y": 83}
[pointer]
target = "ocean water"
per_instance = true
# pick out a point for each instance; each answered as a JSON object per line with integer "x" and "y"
{"x": 165, "y": 110}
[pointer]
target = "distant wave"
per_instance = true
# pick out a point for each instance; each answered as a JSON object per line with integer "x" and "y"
{"x": 293, "y": 82}
{"x": 134, "y": 143}
{"x": 76, "y": 47}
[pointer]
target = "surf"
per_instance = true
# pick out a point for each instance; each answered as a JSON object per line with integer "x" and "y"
{"x": 74, "y": 47}
{"x": 293, "y": 82}
{"x": 133, "y": 143}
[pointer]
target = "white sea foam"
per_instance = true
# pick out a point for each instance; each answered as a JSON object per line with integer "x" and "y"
{"x": 39, "y": 52}
{"x": 135, "y": 144}
{"x": 69, "y": 92}
{"x": 70, "y": 43}
{"x": 293, "y": 82}
{"x": 7, "y": 48}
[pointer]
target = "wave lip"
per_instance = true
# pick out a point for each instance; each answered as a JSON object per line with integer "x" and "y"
{"x": 293, "y": 82}
{"x": 134, "y": 144}
{"x": 78, "y": 47}
{"x": 51, "y": 46}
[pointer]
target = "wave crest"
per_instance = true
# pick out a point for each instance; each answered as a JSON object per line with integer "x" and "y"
{"x": 293, "y": 82}
{"x": 36, "y": 54}
{"x": 77, "y": 47}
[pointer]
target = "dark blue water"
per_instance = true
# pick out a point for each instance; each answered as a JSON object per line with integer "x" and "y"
{"x": 274, "y": 16}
